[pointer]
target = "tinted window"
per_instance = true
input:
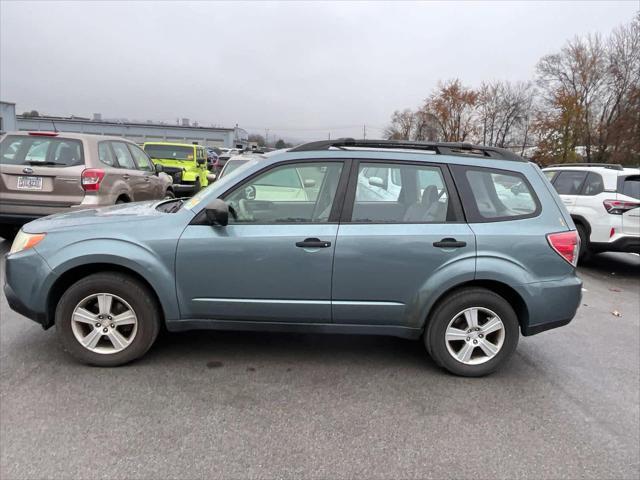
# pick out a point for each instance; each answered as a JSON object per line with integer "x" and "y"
{"x": 398, "y": 193}
{"x": 569, "y": 182}
{"x": 232, "y": 165}
{"x": 45, "y": 151}
{"x": 550, "y": 175}
{"x": 281, "y": 196}
{"x": 106, "y": 155}
{"x": 123, "y": 156}
{"x": 631, "y": 187}
{"x": 141, "y": 159}
{"x": 495, "y": 194}
{"x": 594, "y": 184}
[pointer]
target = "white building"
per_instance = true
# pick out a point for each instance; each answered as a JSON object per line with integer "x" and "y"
{"x": 138, "y": 132}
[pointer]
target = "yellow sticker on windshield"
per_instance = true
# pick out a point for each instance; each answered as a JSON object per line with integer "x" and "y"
{"x": 189, "y": 156}
{"x": 192, "y": 202}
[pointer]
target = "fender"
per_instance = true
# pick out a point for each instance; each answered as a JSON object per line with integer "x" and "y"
{"x": 583, "y": 221}
{"x": 156, "y": 268}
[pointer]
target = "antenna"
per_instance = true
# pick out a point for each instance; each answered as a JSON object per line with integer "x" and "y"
{"x": 54, "y": 126}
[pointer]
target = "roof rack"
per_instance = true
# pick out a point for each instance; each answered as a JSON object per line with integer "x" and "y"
{"x": 612, "y": 166}
{"x": 441, "y": 148}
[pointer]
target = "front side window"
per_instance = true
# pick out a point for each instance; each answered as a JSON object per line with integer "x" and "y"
{"x": 141, "y": 159}
{"x": 106, "y": 155}
{"x": 42, "y": 151}
{"x": 123, "y": 156}
{"x": 294, "y": 193}
{"x": 492, "y": 195}
{"x": 569, "y": 182}
{"x": 400, "y": 193}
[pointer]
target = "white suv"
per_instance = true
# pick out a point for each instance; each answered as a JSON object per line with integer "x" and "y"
{"x": 604, "y": 201}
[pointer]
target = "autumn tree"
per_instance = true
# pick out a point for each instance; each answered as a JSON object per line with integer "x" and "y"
{"x": 452, "y": 107}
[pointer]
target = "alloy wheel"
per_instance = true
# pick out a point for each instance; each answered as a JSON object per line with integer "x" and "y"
{"x": 474, "y": 336}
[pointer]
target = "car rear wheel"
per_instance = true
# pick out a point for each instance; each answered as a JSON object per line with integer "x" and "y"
{"x": 585, "y": 250}
{"x": 168, "y": 195}
{"x": 472, "y": 332}
{"x": 107, "y": 319}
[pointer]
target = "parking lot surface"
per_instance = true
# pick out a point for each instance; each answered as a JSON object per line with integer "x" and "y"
{"x": 238, "y": 405}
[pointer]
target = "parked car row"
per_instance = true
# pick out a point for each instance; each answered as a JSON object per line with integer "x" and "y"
{"x": 42, "y": 173}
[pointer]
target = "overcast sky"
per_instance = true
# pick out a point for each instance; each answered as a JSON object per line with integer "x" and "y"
{"x": 301, "y": 70}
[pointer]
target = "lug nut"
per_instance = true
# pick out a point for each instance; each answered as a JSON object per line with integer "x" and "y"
{"x": 481, "y": 336}
{"x": 468, "y": 339}
{"x": 105, "y": 329}
{"x": 475, "y": 342}
{"x": 109, "y": 317}
{"x": 113, "y": 325}
{"x": 100, "y": 317}
{"x": 98, "y": 325}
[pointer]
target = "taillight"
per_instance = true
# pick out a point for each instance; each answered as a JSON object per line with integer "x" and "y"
{"x": 566, "y": 244}
{"x": 44, "y": 134}
{"x": 91, "y": 178}
{"x": 618, "y": 207}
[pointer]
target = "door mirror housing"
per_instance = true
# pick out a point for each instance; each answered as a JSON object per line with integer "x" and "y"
{"x": 159, "y": 168}
{"x": 201, "y": 161}
{"x": 309, "y": 183}
{"x": 218, "y": 211}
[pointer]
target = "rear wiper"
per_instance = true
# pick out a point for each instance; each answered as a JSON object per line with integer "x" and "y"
{"x": 35, "y": 162}
{"x": 177, "y": 206}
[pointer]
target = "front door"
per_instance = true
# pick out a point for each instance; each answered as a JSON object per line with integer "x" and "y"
{"x": 272, "y": 263}
{"x": 399, "y": 228}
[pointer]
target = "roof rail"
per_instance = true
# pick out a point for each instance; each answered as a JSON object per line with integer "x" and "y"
{"x": 441, "y": 148}
{"x": 612, "y": 166}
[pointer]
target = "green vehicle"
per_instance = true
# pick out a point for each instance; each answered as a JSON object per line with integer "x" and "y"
{"x": 185, "y": 163}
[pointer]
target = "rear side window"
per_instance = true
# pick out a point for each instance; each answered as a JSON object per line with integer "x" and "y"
{"x": 41, "y": 151}
{"x": 631, "y": 187}
{"x": 491, "y": 195}
{"x": 569, "y": 182}
{"x": 594, "y": 184}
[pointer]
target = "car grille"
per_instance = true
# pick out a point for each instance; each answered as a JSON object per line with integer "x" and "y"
{"x": 174, "y": 172}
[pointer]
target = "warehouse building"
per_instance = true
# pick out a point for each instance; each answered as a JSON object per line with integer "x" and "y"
{"x": 139, "y": 132}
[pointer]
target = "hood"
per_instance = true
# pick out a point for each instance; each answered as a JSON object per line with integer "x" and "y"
{"x": 127, "y": 212}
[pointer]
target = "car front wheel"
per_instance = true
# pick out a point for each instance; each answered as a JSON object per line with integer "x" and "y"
{"x": 472, "y": 332}
{"x": 107, "y": 319}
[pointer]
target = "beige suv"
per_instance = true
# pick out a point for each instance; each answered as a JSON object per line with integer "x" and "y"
{"x": 42, "y": 173}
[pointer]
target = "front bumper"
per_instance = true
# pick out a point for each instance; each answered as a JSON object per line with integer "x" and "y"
{"x": 187, "y": 188}
{"x": 28, "y": 280}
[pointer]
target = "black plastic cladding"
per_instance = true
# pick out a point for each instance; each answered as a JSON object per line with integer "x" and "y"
{"x": 441, "y": 148}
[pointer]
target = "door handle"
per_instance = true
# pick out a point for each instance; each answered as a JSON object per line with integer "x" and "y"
{"x": 125, "y": 176}
{"x": 146, "y": 179}
{"x": 449, "y": 243}
{"x": 313, "y": 243}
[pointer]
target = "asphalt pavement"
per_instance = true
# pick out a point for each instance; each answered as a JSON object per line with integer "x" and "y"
{"x": 255, "y": 405}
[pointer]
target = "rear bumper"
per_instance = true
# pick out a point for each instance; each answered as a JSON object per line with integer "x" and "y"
{"x": 550, "y": 304}
{"x": 622, "y": 244}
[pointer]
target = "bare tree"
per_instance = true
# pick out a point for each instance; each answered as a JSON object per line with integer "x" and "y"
{"x": 402, "y": 125}
{"x": 452, "y": 107}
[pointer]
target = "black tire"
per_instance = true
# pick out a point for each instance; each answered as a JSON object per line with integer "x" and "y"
{"x": 129, "y": 289}
{"x": 453, "y": 304}
{"x": 120, "y": 201}
{"x": 8, "y": 232}
{"x": 197, "y": 186}
{"x": 585, "y": 248}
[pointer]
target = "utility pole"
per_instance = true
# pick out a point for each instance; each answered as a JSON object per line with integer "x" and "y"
{"x": 329, "y": 138}
{"x": 364, "y": 132}
{"x": 266, "y": 137}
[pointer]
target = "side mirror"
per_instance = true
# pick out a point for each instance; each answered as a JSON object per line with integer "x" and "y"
{"x": 376, "y": 182}
{"x": 309, "y": 182}
{"x": 159, "y": 168}
{"x": 201, "y": 161}
{"x": 218, "y": 212}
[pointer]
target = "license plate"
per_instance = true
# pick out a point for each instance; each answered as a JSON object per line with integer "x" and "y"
{"x": 29, "y": 183}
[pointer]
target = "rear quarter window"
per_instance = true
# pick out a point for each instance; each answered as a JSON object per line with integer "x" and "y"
{"x": 631, "y": 187}
{"x": 493, "y": 195}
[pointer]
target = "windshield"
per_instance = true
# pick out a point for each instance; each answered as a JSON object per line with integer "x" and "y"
{"x": 232, "y": 165}
{"x": 169, "y": 152}
{"x": 39, "y": 150}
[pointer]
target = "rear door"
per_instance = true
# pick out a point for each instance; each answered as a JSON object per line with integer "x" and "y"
{"x": 399, "y": 227}
{"x": 41, "y": 171}
{"x": 129, "y": 172}
{"x": 568, "y": 184}
{"x": 629, "y": 190}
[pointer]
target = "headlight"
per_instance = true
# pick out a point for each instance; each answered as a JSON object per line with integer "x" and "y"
{"x": 23, "y": 241}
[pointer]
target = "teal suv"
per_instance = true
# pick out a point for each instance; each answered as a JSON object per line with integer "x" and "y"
{"x": 464, "y": 247}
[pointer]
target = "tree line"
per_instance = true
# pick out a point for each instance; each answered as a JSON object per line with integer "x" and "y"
{"x": 583, "y": 105}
